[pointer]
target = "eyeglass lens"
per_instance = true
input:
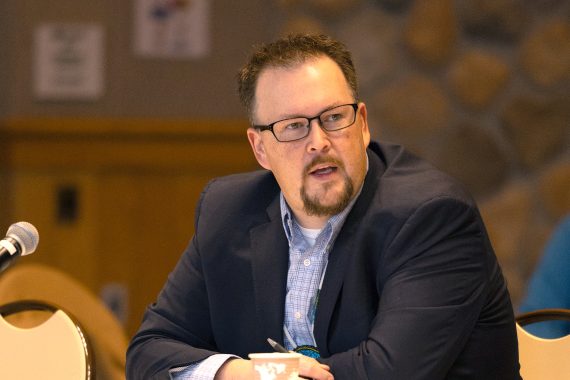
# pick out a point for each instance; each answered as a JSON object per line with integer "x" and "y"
{"x": 330, "y": 120}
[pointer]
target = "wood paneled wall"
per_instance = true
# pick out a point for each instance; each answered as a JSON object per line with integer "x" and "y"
{"x": 114, "y": 200}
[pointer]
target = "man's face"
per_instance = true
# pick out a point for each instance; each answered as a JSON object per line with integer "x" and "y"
{"x": 319, "y": 174}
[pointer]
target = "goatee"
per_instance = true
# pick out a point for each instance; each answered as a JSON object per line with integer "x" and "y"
{"x": 313, "y": 205}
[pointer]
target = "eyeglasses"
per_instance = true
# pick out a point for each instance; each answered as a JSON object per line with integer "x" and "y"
{"x": 333, "y": 119}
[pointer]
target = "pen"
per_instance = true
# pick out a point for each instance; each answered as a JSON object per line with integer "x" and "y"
{"x": 276, "y": 346}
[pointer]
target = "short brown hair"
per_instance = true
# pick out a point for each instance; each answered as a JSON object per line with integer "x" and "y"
{"x": 288, "y": 51}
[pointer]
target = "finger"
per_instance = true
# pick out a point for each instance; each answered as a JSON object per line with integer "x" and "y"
{"x": 312, "y": 369}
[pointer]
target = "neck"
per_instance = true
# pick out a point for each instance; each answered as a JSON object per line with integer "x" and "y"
{"x": 311, "y": 221}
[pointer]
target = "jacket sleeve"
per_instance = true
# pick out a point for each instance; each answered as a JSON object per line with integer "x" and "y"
{"x": 175, "y": 330}
{"x": 439, "y": 275}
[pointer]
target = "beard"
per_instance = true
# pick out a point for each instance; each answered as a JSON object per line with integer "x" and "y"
{"x": 313, "y": 205}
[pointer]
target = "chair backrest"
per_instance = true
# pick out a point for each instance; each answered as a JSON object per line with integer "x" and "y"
{"x": 542, "y": 358}
{"x": 55, "y": 349}
{"x": 48, "y": 284}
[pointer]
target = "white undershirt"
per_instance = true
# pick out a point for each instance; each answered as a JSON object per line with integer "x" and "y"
{"x": 310, "y": 234}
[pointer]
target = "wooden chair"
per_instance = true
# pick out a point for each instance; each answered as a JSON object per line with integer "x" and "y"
{"x": 541, "y": 358}
{"x": 53, "y": 286}
{"x": 55, "y": 349}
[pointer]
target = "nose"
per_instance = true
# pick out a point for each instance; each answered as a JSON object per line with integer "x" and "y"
{"x": 318, "y": 139}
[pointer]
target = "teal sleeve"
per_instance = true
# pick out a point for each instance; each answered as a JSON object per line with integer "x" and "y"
{"x": 549, "y": 286}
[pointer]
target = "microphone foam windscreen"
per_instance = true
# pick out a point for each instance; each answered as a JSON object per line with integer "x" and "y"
{"x": 26, "y": 234}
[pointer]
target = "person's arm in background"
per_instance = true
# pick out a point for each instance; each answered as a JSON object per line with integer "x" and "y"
{"x": 549, "y": 286}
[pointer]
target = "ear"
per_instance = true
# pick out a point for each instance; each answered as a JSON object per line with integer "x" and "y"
{"x": 254, "y": 138}
{"x": 363, "y": 113}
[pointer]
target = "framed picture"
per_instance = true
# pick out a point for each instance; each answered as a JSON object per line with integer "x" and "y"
{"x": 172, "y": 28}
{"x": 68, "y": 61}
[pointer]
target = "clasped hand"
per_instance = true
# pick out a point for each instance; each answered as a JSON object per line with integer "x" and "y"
{"x": 241, "y": 369}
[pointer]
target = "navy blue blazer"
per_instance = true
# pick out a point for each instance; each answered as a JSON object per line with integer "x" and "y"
{"x": 412, "y": 290}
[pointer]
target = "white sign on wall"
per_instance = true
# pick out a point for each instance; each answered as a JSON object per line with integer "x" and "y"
{"x": 68, "y": 61}
{"x": 172, "y": 28}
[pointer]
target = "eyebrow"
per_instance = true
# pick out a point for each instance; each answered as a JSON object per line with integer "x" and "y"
{"x": 324, "y": 109}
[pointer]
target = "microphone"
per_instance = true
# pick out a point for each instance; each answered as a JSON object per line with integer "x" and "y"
{"x": 21, "y": 239}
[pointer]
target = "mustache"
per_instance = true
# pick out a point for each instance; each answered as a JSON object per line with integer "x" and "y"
{"x": 322, "y": 160}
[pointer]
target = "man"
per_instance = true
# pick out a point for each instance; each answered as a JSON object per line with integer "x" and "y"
{"x": 357, "y": 254}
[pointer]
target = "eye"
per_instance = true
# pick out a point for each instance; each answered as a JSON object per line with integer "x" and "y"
{"x": 294, "y": 125}
{"x": 332, "y": 117}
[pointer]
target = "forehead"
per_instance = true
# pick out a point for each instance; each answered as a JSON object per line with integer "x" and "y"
{"x": 305, "y": 88}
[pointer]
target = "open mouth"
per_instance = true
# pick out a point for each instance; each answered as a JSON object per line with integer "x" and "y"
{"x": 322, "y": 171}
{"x": 322, "y": 167}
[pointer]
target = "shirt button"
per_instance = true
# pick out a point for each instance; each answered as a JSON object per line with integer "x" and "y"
{"x": 297, "y": 315}
{"x": 307, "y": 262}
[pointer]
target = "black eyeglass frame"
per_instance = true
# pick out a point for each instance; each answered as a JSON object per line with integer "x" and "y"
{"x": 269, "y": 127}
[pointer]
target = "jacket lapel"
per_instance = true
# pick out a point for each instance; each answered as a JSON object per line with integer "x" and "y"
{"x": 339, "y": 256}
{"x": 332, "y": 285}
{"x": 270, "y": 260}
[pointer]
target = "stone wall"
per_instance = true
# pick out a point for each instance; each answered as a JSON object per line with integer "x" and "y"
{"x": 481, "y": 88}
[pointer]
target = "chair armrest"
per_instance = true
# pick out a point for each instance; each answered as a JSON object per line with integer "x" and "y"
{"x": 543, "y": 315}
